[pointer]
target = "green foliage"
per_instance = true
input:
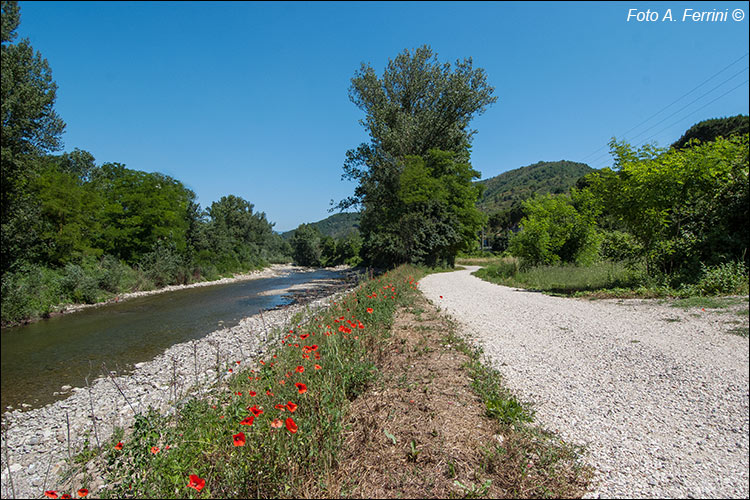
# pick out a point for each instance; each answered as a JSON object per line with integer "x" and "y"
{"x": 710, "y": 130}
{"x": 30, "y": 127}
{"x": 306, "y": 249}
{"x": 337, "y": 226}
{"x": 429, "y": 217}
{"x": 730, "y": 278}
{"x": 508, "y": 190}
{"x": 554, "y": 231}
{"x": 683, "y": 207}
{"x": 417, "y": 116}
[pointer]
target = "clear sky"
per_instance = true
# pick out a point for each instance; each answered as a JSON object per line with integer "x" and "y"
{"x": 251, "y": 98}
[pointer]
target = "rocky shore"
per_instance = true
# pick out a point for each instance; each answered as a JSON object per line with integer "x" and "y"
{"x": 36, "y": 443}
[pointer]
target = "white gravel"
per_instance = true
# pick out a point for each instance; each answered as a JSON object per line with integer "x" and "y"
{"x": 658, "y": 396}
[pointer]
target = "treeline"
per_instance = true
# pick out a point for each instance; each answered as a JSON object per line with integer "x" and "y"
{"x": 678, "y": 212}
{"x": 75, "y": 231}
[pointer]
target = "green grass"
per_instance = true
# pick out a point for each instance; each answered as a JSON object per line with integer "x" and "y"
{"x": 274, "y": 462}
{"x": 709, "y": 302}
{"x": 563, "y": 279}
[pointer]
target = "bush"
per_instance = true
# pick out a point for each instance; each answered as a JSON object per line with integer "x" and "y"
{"x": 727, "y": 278}
{"x": 619, "y": 246}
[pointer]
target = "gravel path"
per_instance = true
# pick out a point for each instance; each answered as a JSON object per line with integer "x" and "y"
{"x": 658, "y": 395}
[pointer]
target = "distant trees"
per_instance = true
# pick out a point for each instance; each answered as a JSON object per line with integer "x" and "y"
{"x": 709, "y": 130}
{"x": 417, "y": 116}
{"x": 311, "y": 248}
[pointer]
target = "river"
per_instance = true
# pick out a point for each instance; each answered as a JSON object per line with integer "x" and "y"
{"x": 41, "y": 357}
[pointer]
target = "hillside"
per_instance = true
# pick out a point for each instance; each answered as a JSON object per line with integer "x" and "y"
{"x": 336, "y": 226}
{"x": 709, "y": 130}
{"x": 509, "y": 188}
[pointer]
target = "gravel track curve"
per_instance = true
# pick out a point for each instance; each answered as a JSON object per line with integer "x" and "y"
{"x": 658, "y": 396}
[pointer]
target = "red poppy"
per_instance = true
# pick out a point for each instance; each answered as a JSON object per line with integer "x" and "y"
{"x": 239, "y": 439}
{"x": 252, "y": 394}
{"x": 196, "y": 482}
{"x": 370, "y": 310}
{"x": 276, "y": 423}
{"x": 247, "y": 420}
{"x": 280, "y": 407}
{"x": 304, "y": 336}
{"x": 282, "y": 382}
{"x": 256, "y": 411}
{"x": 66, "y": 495}
{"x": 230, "y": 370}
{"x": 441, "y": 296}
{"x": 50, "y": 494}
{"x": 83, "y": 492}
{"x": 154, "y": 450}
{"x": 262, "y": 362}
{"x": 318, "y": 367}
{"x": 302, "y": 388}
{"x": 290, "y": 425}
{"x": 292, "y": 407}
{"x": 237, "y": 362}
{"x": 300, "y": 369}
{"x": 238, "y": 393}
{"x": 118, "y": 446}
{"x": 269, "y": 393}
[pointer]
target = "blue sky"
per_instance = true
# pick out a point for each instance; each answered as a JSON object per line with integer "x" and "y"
{"x": 250, "y": 98}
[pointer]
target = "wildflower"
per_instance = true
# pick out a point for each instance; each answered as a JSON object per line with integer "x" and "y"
{"x": 247, "y": 420}
{"x": 237, "y": 362}
{"x": 66, "y": 495}
{"x": 290, "y": 425}
{"x": 269, "y": 393}
{"x": 300, "y": 369}
{"x": 118, "y": 446}
{"x": 154, "y": 450}
{"x": 318, "y": 367}
{"x": 238, "y": 393}
{"x": 276, "y": 423}
{"x": 50, "y": 494}
{"x": 280, "y": 407}
{"x": 256, "y": 411}
{"x": 196, "y": 483}
{"x": 252, "y": 394}
{"x": 370, "y": 310}
{"x": 282, "y": 382}
{"x": 239, "y": 439}
{"x": 303, "y": 337}
{"x": 83, "y": 492}
{"x": 302, "y": 388}
{"x": 291, "y": 406}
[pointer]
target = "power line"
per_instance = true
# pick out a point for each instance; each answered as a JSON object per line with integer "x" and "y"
{"x": 673, "y": 102}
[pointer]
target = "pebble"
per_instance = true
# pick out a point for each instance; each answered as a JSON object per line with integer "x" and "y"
{"x": 147, "y": 385}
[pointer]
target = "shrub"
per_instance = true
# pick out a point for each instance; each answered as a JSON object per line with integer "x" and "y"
{"x": 727, "y": 278}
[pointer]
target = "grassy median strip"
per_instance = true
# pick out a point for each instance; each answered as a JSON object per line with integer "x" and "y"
{"x": 376, "y": 391}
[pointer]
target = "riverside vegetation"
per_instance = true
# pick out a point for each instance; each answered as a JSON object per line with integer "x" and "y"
{"x": 287, "y": 427}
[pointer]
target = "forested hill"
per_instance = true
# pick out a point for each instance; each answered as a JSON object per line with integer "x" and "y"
{"x": 509, "y": 188}
{"x": 336, "y": 226}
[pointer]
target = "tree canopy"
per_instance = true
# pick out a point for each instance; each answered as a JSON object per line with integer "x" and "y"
{"x": 414, "y": 179}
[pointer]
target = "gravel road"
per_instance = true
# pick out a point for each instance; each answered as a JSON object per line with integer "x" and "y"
{"x": 659, "y": 395}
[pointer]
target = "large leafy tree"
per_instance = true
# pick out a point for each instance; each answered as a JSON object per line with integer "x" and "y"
{"x": 683, "y": 206}
{"x": 418, "y": 108}
{"x": 30, "y": 127}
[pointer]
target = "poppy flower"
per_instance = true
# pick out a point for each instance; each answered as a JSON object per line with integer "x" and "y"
{"x": 256, "y": 411}
{"x": 370, "y": 310}
{"x": 282, "y": 382}
{"x": 302, "y": 388}
{"x": 318, "y": 367}
{"x": 154, "y": 450}
{"x": 238, "y": 393}
{"x": 276, "y": 423}
{"x": 66, "y": 495}
{"x": 83, "y": 492}
{"x": 248, "y": 420}
{"x": 300, "y": 369}
{"x": 196, "y": 483}
{"x": 304, "y": 336}
{"x": 252, "y": 394}
{"x": 269, "y": 393}
{"x": 292, "y": 407}
{"x": 230, "y": 370}
{"x": 118, "y": 446}
{"x": 50, "y": 494}
{"x": 239, "y": 439}
{"x": 280, "y": 407}
{"x": 262, "y": 362}
{"x": 238, "y": 362}
{"x": 290, "y": 425}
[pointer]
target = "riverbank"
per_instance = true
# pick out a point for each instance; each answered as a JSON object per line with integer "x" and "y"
{"x": 37, "y": 442}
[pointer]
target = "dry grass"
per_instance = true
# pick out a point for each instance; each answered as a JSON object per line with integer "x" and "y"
{"x": 421, "y": 430}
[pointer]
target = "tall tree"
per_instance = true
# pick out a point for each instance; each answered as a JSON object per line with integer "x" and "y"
{"x": 30, "y": 127}
{"x": 418, "y": 108}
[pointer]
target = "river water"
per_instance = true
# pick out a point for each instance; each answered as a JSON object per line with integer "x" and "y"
{"x": 39, "y": 358}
